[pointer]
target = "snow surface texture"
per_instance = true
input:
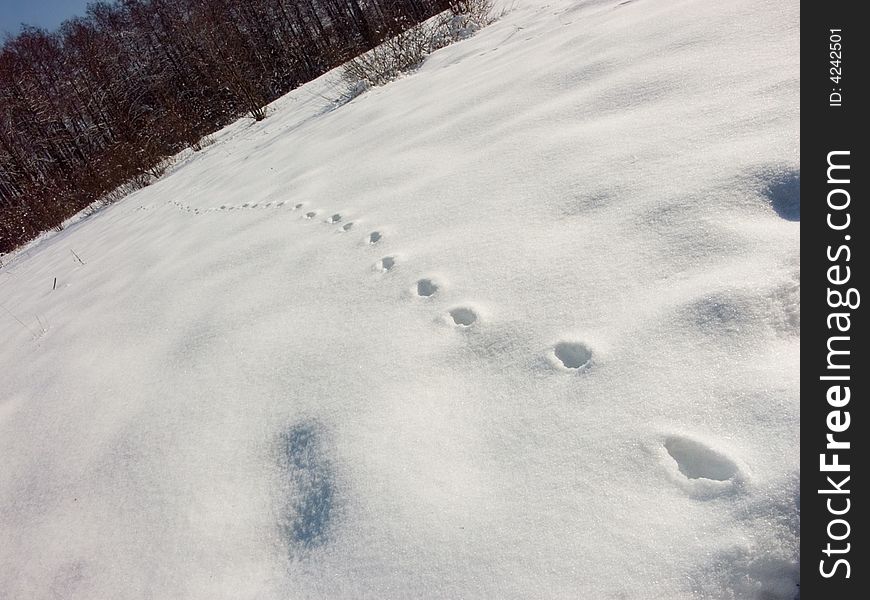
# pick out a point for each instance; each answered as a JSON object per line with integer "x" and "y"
{"x": 522, "y": 324}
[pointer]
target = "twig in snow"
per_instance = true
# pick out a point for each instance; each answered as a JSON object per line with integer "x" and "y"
{"x": 43, "y": 328}
{"x": 78, "y": 258}
{"x": 23, "y": 324}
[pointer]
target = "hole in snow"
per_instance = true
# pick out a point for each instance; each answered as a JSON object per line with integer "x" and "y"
{"x": 784, "y": 193}
{"x": 572, "y": 355}
{"x": 463, "y": 317}
{"x": 426, "y": 287}
{"x": 374, "y": 237}
{"x": 697, "y": 461}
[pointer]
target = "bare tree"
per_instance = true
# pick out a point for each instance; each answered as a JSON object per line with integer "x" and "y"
{"x": 108, "y": 97}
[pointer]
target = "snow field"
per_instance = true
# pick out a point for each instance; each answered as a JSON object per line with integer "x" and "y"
{"x": 522, "y": 324}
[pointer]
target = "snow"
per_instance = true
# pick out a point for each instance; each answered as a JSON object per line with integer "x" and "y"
{"x": 521, "y": 324}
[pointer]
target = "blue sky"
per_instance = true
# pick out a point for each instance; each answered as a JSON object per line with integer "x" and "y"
{"x": 42, "y": 13}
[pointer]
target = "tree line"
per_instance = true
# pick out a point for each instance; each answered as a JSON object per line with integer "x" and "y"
{"x": 105, "y": 99}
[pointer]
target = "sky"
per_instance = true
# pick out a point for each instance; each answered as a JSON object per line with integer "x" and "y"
{"x": 42, "y": 13}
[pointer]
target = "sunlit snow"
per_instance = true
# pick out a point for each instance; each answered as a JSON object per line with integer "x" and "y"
{"x": 521, "y": 324}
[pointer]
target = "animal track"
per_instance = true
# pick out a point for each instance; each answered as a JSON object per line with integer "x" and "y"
{"x": 463, "y": 317}
{"x": 426, "y": 288}
{"x": 313, "y": 508}
{"x": 224, "y": 207}
{"x": 572, "y": 355}
{"x": 698, "y": 461}
{"x": 387, "y": 263}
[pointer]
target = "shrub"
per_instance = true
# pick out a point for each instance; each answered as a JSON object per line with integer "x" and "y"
{"x": 407, "y": 50}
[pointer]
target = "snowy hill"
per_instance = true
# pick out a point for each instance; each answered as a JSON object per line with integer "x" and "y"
{"x": 522, "y": 324}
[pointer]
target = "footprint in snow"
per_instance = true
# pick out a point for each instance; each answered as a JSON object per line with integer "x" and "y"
{"x": 386, "y": 263}
{"x": 426, "y": 288}
{"x": 334, "y": 218}
{"x": 374, "y": 237}
{"x": 311, "y": 214}
{"x": 573, "y": 356}
{"x": 298, "y": 206}
{"x": 704, "y": 471}
{"x": 347, "y": 226}
{"x": 463, "y": 316}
